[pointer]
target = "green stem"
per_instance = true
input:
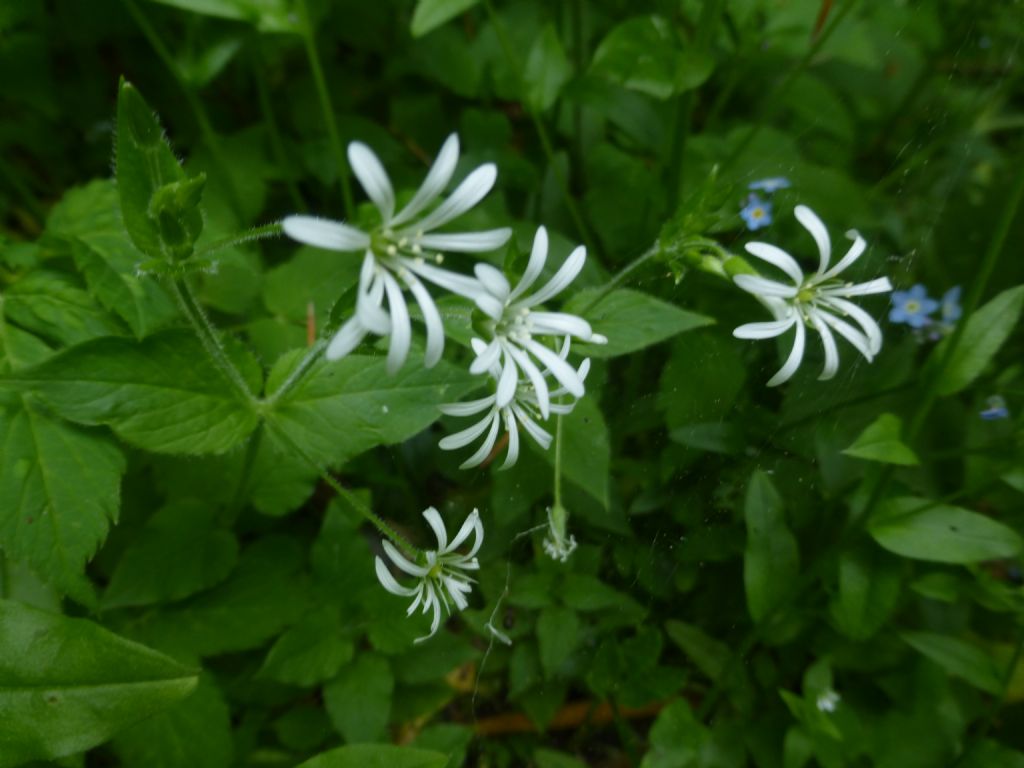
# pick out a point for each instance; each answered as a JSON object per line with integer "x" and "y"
{"x": 240, "y": 238}
{"x": 198, "y": 111}
{"x": 309, "y": 37}
{"x": 276, "y": 143}
{"x": 210, "y": 339}
{"x": 311, "y": 356}
{"x": 558, "y": 462}
{"x": 619, "y": 276}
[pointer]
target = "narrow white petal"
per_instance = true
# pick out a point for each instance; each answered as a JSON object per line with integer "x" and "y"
{"x": 470, "y": 192}
{"x": 420, "y": 594}
{"x": 765, "y": 330}
{"x": 793, "y": 361}
{"x": 560, "y": 369}
{"x": 434, "y": 624}
{"x": 540, "y": 386}
{"x": 324, "y": 233}
{"x": 880, "y": 285}
{"x": 371, "y": 174}
{"x": 469, "y": 408}
{"x": 859, "y": 340}
{"x": 466, "y": 436}
{"x": 433, "y": 518}
{"x": 493, "y": 280}
{"x": 455, "y": 592}
{"x": 348, "y": 337}
{"x": 542, "y": 438}
{"x": 828, "y": 341}
{"x": 451, "y": 281}
{"x": 431, "y": 319}
{"x": 759, "y": 286}
{"x": 486, "y": 446}
{"x": 777, "y": 257}
{"x": 538, "y": 255}
{"x": 856, "y": 249}
{"x": 561, "y": 324}
{"x": 401, "y": 327}
{"x": 401, "y": 562}
{"x": 508, "y": 381}
{"x": 467, "y": 242}
{"x": 471, "y": 524}
{"x": 814, "y": 225}
{"x": 437, "y": 179}
{"x": 562, "y": 279}
{"x": 862, "y": 318}
{"x": 581, "y": 372}
{"x": 369, "y": 298}
{"x": 512, "y": 456}
{"x": 489, "y": 305}
{"x": 485, "y": 359}
{"x": 389, "y": 583}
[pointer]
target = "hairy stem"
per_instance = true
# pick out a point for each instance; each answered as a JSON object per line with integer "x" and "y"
{"x": 240, "y": 238}
{"x": 311, "y": 356}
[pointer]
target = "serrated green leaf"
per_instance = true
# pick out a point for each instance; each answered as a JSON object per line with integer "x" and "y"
{"x": 987, "y": 330}
{"x": 356, "y": 397}
{"x": 162, "y": 394}
{"x": 67, "y": 685}
{"x": 359, "y": 699}
{"x": 772, "y": 561}
{"x": 919, "y": 529}
{"x": 630, "y": 320}
{"x": 431, "y": 14}
{"x": 377, "y": 756}
{"x": 958, "y": 657}
{"x": 310, "y": 652}
{"x": 60, "y": 491}
{"x": 179, "y": 552}
{"x": 52, "y": 306}
{"x": 880, "y": 441}
{"x": 547, "y": 70}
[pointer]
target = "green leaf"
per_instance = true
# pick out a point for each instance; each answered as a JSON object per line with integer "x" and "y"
{"x": 676, "y": 738}
{"x": 986, "y": 331}
{"x": 359, "y": 699}
{"x": 310, "y": 652}
{"x": 880, "y": 441}
{"x": 265, "y": 594}
{"x": 179, "y": 552}
{"x": 265, "y": 15}
{"x": 159, "y": 205}
{"x": 67, "y": 685}
{"x": 377, "y": 756}
{"x": 547, "y": 70}
{"x": 356, "y": 397}
{"x": 869, "y": 588}
{"x": 89, "y": 219}
{"x": 431, "y": 14}
{"x": 557, "y": 630}
{"x": 923, "y": 530}
{"x": 162, "y": 394}
{"x": 630, "y": 320}
{"x": 312, "y": 276}
{"x": 772, "y": 561}
{"x": 643, "y": 54}
{"x": 710, "y": 655}
{"x": 194, "y": 733}
{"x": 60, "y": 490}
{"x": 586, "y": 449}
{"x": 51, "y": 305}
{"x": 960, "y": 658}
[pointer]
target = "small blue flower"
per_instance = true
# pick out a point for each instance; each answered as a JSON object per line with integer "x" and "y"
{"x": 950, "y": 305}
{"x": 773, "y": 184}
{"x": 757, "y": 213}
{"x": 912, "y": 307}
{"x": 996, "y": 409}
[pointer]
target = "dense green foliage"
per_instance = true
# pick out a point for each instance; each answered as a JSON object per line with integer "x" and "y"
{"x": 821, "y": 573}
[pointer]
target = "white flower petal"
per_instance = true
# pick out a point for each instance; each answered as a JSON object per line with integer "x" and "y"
{"x": 513, "y": 441}
{"x": 389, "y": 583}
{"x": 486, "y": 447}
{"x": 880, "y": 285}
{"x": 766, "y": 330}
{"x": 540, "y": 386}
{"x": 814, "y": 225}
{"x": 796, "y": 354}
{"x": 371, "y": 174}
{"x": 561, "y": 324}
{"x": 369, "y": 298}
{"x": 493, "y": 280}
{"x": 431, "y": 319}
{"x": 508, "y": 380}
{"x": 401, "y": 327}
{"x": 433, "y": 518}
{"x": 542, "y": 438}
{"x": 828, "y": 341}
{"x": 348, "y": 337}
{"x": 455, "y": 590}
{"x": 777, "y": 257}
{"x": 469, "y": 408}
{"x": 538, "y": 255}
{"x": 470, "y": 192}
{"x": 472, "y": 525}
{"x": 562, "y": 279}
{"x": 856, "y": 249}
{"x": 324, "y": 233}
{"x": 560, "y": 369}
{"x": 859, "y": 340}
{"x": 467, "y": 242}
{"x": 489, "y": 305}
{"x": 862, "y": 318}
{"x": 760, "y": 286}
{"x": 401, "y": 562}
{"x": 433, "y": 185}
{"x": 434, "y": 624}
{"x": 451, "y": 281}
{"x": 467, "y": 435}
{"x": 485, "y": 359}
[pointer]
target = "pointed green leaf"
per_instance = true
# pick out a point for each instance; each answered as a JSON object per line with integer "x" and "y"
{"x": 359, "y": 699}
{"x": 310, "y": 652}
{"x": 67, "y": 685}
{"x": 960, "y": 658}
{"x": 772, "y": 562}
{"x": 431, "y": 14}
{"x": 547, "y": 70}
{"x": 53, "y": 306}
{"x": 880, "y": 441}
{"x": 869, "y": 587}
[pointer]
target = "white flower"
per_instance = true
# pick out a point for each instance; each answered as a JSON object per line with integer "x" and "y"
{"x": 524, "y": 409}
{"x": 827, "y": 701}
{"x": 515, "y": 326}
{"x": 442, "y": 577}
{"x": 396, "y": 250}
{"x": 558, "y": 545}
{"x": 819, "y": 301}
